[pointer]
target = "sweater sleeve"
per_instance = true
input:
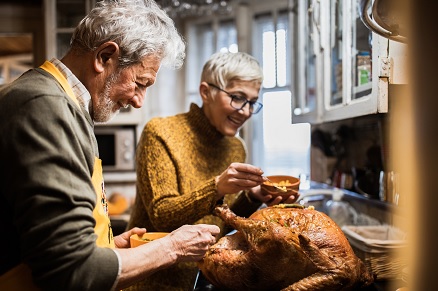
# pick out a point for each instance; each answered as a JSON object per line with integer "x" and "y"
{"x": 244, "y": 206}
{"x": 157, "y": 186}
{"x": 50, "y": 196}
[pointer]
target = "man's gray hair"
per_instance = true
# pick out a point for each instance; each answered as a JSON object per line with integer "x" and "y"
{"x": 140, "y": 28}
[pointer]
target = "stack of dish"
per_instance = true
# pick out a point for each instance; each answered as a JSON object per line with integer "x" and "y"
{"x": 381, "y": 248}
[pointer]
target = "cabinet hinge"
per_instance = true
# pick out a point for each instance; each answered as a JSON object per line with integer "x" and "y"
{"x": 385, "y": 66}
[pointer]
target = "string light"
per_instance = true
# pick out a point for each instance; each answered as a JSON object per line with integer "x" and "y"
{"x": 179, "y": 9}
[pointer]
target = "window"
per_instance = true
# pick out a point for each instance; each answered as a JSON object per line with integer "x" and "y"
{"x": 206, "y": 39}
{"x": 286, "y": 145}
{"x": 274, "y": 143}
{"x": 227, "y": 37}
{"x": 278, "y": 146}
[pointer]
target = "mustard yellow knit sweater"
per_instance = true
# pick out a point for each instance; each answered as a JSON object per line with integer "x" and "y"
{"x": 178, "y": 158}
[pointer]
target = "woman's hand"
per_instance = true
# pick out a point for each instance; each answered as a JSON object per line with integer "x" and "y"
{"x": 122, "y": 240}
{"x": 256, "y": 194}
{"x": 238, "y": 177}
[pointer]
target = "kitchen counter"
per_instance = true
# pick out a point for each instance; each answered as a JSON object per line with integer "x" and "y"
{"x": 383, "y": 212}
{"x": 350, "y": 196}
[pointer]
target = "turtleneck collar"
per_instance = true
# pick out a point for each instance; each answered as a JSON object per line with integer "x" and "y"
{"x": 201, "y": 125}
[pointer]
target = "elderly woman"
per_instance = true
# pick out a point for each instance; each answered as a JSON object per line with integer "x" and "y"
{"x": 188, "y": 163}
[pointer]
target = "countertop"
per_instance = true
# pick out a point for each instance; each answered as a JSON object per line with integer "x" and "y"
{"x": 348, "y": 195}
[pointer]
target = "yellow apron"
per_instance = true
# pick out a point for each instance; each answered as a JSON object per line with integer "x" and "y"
{"x": 100, "y": 213}
{"x": 19, "y": 278}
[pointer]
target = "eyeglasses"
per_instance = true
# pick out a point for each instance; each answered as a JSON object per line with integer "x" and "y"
{"x": 239, "y": 102}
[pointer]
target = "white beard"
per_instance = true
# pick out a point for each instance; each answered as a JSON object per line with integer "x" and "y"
{"x": 106, "y": 108}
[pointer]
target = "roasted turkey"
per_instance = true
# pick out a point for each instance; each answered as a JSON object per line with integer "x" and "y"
{"x": 284, "y": 247}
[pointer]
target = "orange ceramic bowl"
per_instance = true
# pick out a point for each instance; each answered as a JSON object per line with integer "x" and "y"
{"x": 291, "y": 183}
{"x": 137, "y": 240}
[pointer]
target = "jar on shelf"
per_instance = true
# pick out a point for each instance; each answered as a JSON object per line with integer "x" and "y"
{"x": 363, "y": 64}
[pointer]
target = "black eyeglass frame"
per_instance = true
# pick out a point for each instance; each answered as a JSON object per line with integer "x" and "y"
{"x": 233, "y": 97}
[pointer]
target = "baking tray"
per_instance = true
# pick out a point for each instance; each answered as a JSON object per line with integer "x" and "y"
{"x": 202, "y": 284}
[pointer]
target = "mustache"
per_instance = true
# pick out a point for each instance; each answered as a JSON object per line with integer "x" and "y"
{"x": 121, "y": 105}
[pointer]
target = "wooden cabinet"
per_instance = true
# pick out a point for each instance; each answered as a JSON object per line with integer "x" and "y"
{"x": 346, "y": 68}
{"x": 61, "y": 17}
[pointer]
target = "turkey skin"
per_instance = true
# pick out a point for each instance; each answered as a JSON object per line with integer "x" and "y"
{"x": 283, "y": 247}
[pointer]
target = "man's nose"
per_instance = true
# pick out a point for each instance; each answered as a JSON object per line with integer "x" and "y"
{"x": 137, "y": 101}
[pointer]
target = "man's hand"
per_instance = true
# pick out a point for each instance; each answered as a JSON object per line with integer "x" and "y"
{"x": 191, "y": 242}
{"x": 122, "y": 240}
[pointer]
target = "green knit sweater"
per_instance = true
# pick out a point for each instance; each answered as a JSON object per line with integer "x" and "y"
{"x": 178, "y": 158}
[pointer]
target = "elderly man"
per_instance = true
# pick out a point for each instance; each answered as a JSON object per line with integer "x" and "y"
{"x": 55, "y": 226}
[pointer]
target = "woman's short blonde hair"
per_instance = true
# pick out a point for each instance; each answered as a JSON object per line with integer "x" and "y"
{"x": 222, "y": 68}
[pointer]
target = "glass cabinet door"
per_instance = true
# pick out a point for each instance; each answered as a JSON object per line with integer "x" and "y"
{"x": 349, "y": 87}
{"x": 339, "y": 63}
{"x": 309, "y": 63}
{"x": 361, "y": 55}
{"x": 335, "y": 51}
{"x": 311, "y": 54}
{"x": 348, "y": 47}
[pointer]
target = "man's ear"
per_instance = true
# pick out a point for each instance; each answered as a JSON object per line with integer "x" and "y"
{"x": 106, "y": 55}
{"x": 205, "y": 92}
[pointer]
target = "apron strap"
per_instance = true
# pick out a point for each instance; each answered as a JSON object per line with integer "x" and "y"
{"x": 51, "y": 69}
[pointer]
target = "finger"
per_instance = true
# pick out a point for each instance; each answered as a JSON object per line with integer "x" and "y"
{"x": 278, "y": 199}
{"x": 245, "y": 183}
{"x": 138, "y": 230}
{"x": 290, "y": 199}
{"x": 275, "y": 201}
{"x": 266, "y": 198}
{"x": 247, "y": 168}
{"x": 243, "y": 179}
{"x": 212, "y": 229}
